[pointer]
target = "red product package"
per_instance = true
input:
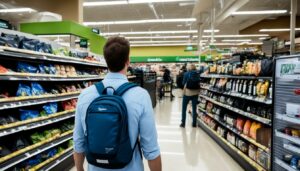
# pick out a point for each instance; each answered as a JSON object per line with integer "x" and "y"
{"x": 3, "y": 69}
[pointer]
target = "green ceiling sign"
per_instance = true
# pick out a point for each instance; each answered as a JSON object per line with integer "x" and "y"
{"x": 154, "y": 59}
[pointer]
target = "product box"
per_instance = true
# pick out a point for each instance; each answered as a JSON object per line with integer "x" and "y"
{"x": 293, "y": 109}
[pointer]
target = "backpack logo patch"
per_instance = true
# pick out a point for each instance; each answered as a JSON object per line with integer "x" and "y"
{"x": 101, "y": 109}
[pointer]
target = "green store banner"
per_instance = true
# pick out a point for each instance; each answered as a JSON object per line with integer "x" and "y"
{"x": 156, "y": 59}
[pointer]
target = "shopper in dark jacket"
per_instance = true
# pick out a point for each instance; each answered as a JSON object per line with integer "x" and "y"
{"x": 189, "y": 95}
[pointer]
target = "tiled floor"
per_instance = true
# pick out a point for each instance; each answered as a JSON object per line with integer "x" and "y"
{"x": 188, "y": 149}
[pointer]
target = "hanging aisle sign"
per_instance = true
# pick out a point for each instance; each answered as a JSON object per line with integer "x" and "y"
{"x": 137, "y": 59}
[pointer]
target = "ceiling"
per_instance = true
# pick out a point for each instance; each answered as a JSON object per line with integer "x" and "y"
{"x": 140, "y": 12}
{"x": 201, "y": 10}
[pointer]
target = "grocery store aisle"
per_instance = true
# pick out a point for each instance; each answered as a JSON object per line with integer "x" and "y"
{"x": 189, "y": 149}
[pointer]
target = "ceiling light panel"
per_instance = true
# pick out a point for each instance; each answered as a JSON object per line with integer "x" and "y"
{"x": 164, "y": 44}
{"x": 278, "y": 30}
{"x": 236, "y": 40}
{"x": 150, "y": 32}
{"x": 259, "y": 12}
{"x": 160, "y": 37}
{"x": 209, "y": 31}
{"x": 106, "y": 3}
{"x": 172, "y": 20}
{"x": 170, "y": 41}
{"x": 237, "y": 35}
{"x": 17, "y": 10}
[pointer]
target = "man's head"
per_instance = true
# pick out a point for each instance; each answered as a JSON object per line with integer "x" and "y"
{"x": 116, "y": 53}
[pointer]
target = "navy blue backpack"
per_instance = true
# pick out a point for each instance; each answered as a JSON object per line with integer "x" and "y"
{"x": 108, "y": 143}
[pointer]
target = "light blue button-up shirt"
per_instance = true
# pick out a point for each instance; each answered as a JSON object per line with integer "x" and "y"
{"x": 140, "y": 121}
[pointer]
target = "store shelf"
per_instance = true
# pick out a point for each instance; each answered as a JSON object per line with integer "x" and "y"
{"x": 252, "y": 141}
{"x": 284, "y": 117}
{"x": 238, "y": 111}
{"x": 284, "y": 165}
{"x": 292, "y": 148}
{"x": 239, "y": 95}
{"x": 14, "y": 102}
{"x": 131, "y": 76}
{"x": 287, "y": 137}
{"x": 14, "y": 158}
{"x": 46, "y": 77}
{"x": 32, "y": 55}
{"x": 54, "y": 161}
{"x": 242, "y": 155}
{"x": 35, "y": 123}
{"x": 235, "y": 76}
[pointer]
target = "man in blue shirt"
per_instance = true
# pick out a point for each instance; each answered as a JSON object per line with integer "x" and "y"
{"x": 140, "y": 112}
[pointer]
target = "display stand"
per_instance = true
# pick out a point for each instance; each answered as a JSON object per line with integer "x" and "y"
{"x": 286, "y": 112}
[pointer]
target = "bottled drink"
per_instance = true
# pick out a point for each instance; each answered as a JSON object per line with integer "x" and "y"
{"x": 254, "y": 88}
{"x": 250, "y": 88}
{"x": 270, "y": 92}
{"x": 245, "y": 87}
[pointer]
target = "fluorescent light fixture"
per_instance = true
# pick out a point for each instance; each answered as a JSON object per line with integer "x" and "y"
{"x": 251, "y": 43}
{"x": 155, "y": 1}
{"x": 236, "y": 44}
{"x": 167, "y": 41}
{"x": 171, "y": 20}
{"x": 259, "y": 12}
{"x": 15, "y": 10}
{"x": 263, "y": 38}
{"x": 105, "y": 3}
{"x": 277, "y": 30}
{"x": 164, "y": 44}
{"x": 160, "y": 37}
{"x": 209, "y": 31}
{"x": 237, "y": 35}
{"x": 150, "y": 32}
{"x": 236, "y": 40}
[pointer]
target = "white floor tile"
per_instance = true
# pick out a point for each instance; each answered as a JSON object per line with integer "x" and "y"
{"x": 189, "y": 149}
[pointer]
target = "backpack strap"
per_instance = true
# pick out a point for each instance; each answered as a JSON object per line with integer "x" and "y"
{"x": 137, "y": 144}
{"x": 100, "y": 87}
{"x": 124, "y": 87}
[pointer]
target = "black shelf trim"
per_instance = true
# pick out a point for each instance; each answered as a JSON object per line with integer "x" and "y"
{"x": 35, "y": 100}
{"x": 37, "y": 149}
{"x": 238, "y": 95}
{"x": 240, "y": 112}
{"x": 250, "y": 140}
{"x": 36, "y": 122}
{"x": 45, "y": 77}
{"x": 234, "y": 76}
{"x": 27, "y": 54}
{"x": 63, "y": 156}
{"x": 245, "y": 161}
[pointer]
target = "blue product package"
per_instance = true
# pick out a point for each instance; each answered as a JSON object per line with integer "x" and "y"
{"x": 50, "y": 108}
{"x": 52, "y": 69}
{"x": 28, "y": 114}
{"x": 26, "y": 68}
{"x": 42, "y": 69}
{"x": 37, "y": 89}
{"x": 23, "y": 90}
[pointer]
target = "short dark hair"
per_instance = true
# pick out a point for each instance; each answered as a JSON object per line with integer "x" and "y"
{"x": 116, "y": 53}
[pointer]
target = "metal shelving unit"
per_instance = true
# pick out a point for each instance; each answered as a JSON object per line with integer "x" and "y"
{"x": 287, "y": 80}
